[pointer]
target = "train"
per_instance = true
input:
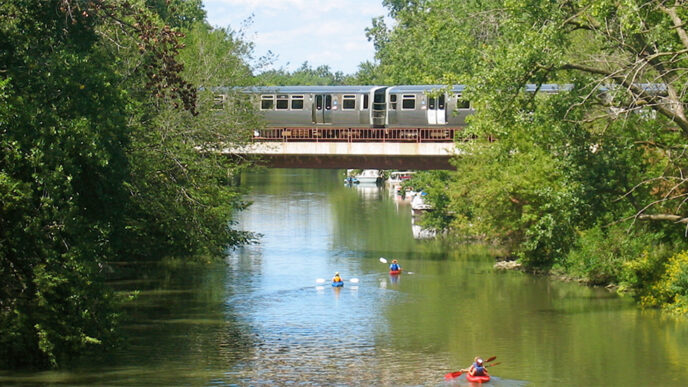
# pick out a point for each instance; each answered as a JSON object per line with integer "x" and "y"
{"x": 419, "y": 111}
{"x": 411, "y": 112}
{"x": 361, "y": 106}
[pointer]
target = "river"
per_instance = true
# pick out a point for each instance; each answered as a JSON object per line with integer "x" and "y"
{"x": 263, "y": 318}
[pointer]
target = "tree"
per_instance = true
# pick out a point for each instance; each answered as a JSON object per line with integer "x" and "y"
{"x": 182, "y": 196}
{"x": 304, "y": 75}
{"x": 605, "y": 150}
{"x": 95, "y": 161}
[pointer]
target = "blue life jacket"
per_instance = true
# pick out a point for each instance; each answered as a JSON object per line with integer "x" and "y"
{"x": 479, "y": 370}
{"x": 394, "y": 266}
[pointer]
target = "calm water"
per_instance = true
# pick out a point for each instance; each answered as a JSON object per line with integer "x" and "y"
{"x": 263, "y": 319}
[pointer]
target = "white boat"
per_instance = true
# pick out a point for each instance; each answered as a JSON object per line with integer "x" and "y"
{"x": 418, "y": 204}
{"x": 369, "y": 176}
{"x": 398, "y": 177}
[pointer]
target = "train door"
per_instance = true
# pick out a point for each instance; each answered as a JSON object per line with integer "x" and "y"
{"x": 379, "y": 111}
{"x": 322, "y": 109}
{"x": 437, "y": 110}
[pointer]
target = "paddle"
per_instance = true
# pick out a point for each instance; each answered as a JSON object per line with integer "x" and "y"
{"x": 322, "y": 280}
{"x": 452, "y": 375}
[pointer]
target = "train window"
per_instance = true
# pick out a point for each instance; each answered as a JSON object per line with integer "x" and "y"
{"x": 408, "y": 102}
{"x": 393, "y": 102}
{"x": 282, "y": 102}
{"x": 463, "y": 104}
{"x": 218, "y": 102}
{"x": 365, "y": 101}
{"x": 440, "y": 102}
{"x": 431, "y": 103}
{"x": 348, "y": 102}
{"x": 267, "y": 102}
{"x": 328, "y": 102}
{"x": 296, "y": 102}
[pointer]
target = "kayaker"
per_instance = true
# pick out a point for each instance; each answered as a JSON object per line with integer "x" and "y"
{"x": 477, "y": 368}
{"x": 336, "y": 278}
{"x": 394, "y": 266}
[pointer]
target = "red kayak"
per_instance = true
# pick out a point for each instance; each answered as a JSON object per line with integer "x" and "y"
{"x": 473, "y": 379}
{"x": 395, "y": 272}
{"x": 478, "y": 378}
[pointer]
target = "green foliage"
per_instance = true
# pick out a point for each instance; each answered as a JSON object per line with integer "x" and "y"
{"x": 62, "y": 164}
{"x": 434, "y": 183}
{"x": 181, "y": 14}
{"x": 304, "y": 75}
{"x": 180, "y": 198}
{"x": 670, "y": 291}
{"x": 568, "y": 174}
{"x": 97, "y": 164}
{"x": 368, "y": 74}
{"x": 611, "y": 255}
{"x": 433, "y": 41}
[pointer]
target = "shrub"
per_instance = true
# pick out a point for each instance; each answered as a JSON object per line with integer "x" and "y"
{"x": 610, "y": 255}
{"x": 670, "y": 291}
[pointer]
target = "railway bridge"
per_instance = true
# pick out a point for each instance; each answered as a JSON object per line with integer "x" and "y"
{"x": 358, "y": 148}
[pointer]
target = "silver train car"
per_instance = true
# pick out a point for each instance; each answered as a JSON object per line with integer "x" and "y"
{"x": 417, "y": 106}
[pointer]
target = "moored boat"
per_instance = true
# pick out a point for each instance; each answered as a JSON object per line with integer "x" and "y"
{"x": 397, "y": 177}
{"x": 418, "y": 204}
{"x": 351, "y": 180}
{"x": 369, "y": 176}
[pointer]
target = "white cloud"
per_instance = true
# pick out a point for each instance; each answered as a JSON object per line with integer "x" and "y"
{"x": 328, "y": 32}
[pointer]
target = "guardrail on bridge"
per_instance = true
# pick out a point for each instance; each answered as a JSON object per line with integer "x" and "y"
{"x": 320, "y": 134}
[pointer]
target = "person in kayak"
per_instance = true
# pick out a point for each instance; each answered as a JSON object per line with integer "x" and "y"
{"x": 394, "y": 266}
{"x": 477, "y": 368}
{"x": 336, "y": 278}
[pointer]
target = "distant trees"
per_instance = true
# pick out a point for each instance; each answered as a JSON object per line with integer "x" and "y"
{"x": 367, "y": 74}
{"x": 104, "y": 155}
{"x": 304, "y": 75}
{"x": 590, "y": 181}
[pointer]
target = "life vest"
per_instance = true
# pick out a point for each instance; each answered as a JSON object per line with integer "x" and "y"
{"x": 337, "y": 279}
{"x": 479, "y": 370}
{"x": 394, "y": 266}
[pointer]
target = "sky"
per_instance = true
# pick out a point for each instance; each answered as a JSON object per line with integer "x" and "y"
{"x": 322, "y": 32}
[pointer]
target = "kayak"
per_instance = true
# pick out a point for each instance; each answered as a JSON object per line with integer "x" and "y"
{"x": 473, "y": 379}
{"x": 395, "y": 272}
{"x": 478, "y": 378}
{"x": 338, "y": 284}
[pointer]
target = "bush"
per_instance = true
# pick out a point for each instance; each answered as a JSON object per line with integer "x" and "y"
{"x": 670, "y": 291}
{"x": 610, "y": 255}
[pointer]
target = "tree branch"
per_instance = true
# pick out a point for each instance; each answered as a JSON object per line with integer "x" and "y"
{"x": 635, "y": 88}
{"x": 678, "y": 23}
{"x": 663, "y": 217}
